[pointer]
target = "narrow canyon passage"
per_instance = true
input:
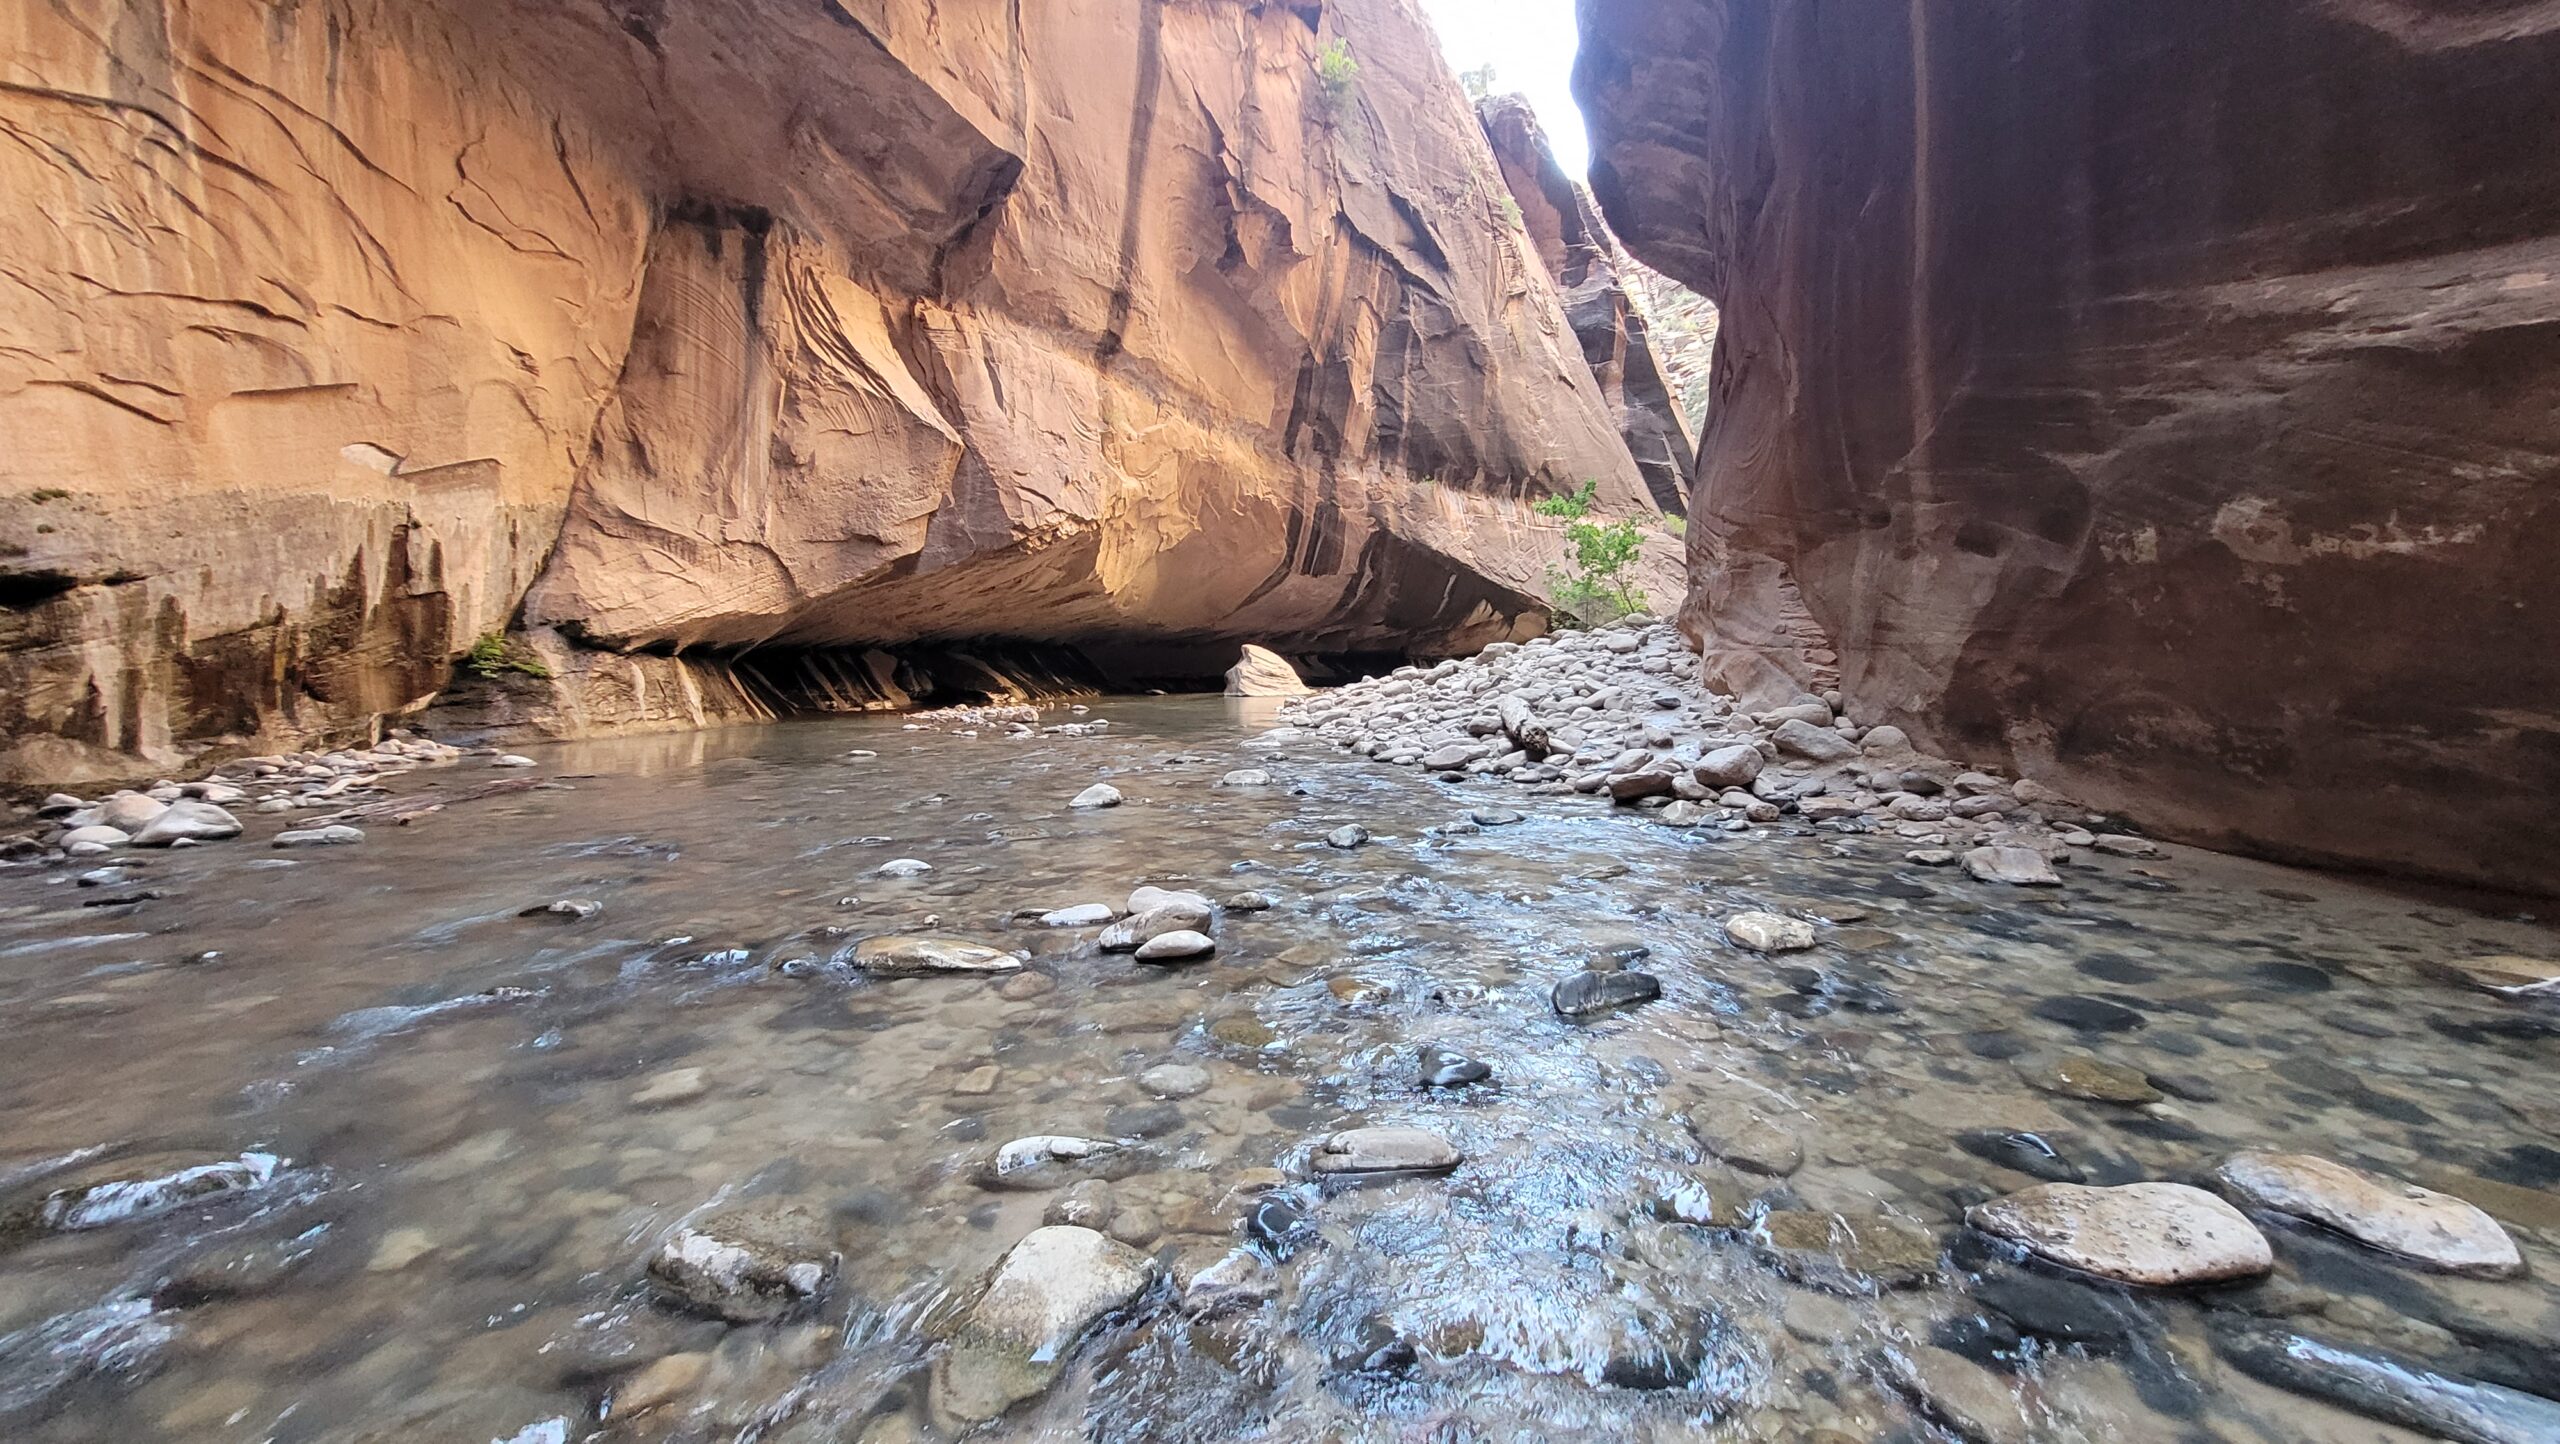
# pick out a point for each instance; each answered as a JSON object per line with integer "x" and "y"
{"x": 618, "y": 824}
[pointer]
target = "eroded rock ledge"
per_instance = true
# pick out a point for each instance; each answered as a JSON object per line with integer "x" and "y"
{"x": 2152, "y": 395}
{"x": 346, "y": 335}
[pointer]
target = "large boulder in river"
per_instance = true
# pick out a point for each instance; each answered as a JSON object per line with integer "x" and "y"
{"x": 1050, "y": 1288}
{"x": 1261, "y": 672}
{"x": 2150, "y": 396}
{"x": 800, "y": 325}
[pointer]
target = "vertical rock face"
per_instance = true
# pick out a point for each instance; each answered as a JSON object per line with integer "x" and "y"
{"x": 2154, "y": 396}
{"x": 341, "y": 334}
{"x": 1574, "y": 244}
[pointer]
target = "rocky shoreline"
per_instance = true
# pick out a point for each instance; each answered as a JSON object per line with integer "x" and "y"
{"x": 1622, "y": 712}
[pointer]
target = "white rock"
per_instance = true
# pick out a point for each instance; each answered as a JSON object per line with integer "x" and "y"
{"x": 334, "y": 835}
{"x": 2016, "y": 866}
{"x": 189, "y": 821}
{"x": 903, "y": 867}
{"x": 1175, "y": 1080}
{"x": 1178, "y": 946}
{"x": 1100, "y": 794}
{"x": 1182, "y": 914}
{"x": 1082, "y": 915}
{"x": 510, "y": 759}
{"x": 1769, "y": 932}
{"x": 1246, "y": 777}
{"x": 96, "y": 835}
{"x": 1261, "y": 672}
{"x": 1384, "y": 1150}
{"x": 898, "y": 956}
{"x": 1147, "y": 899}
{"x": 1050, "y": 1288}
{"x": 130, "y": 811}
{"x": 2435, "y": 1229}
{"x": 2157, "y": 1234}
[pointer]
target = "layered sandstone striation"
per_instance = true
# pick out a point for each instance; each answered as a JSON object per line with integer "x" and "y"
{"x": 1573, "y": 243}
{"x": 341, "y": 335}
{"x": 2153, "y": 398}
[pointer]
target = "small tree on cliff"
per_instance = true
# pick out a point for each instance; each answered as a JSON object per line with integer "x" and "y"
{"x": 1598, "y": 589}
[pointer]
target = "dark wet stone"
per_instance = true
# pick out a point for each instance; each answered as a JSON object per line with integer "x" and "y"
{"x": 2024, "y": 1153}
{"x": 1279, "y": 1227}
{"x": 2064, "y": 1310}
{"x": 970, "y": 1129}
{"x": 2292, "y": 977}
{"x": 1376, "y": 1348}
{"x": 2389, "y": 1387}
{"x": 2172, "y": 1042}
{"x": 1142, "y": 1120}
{"x": 2088, "y": 1015}
{"x": 1299, "y": 1117}
{"x": 2117, "y": 968}
{"x": 2530, "y": 1165}
{"x": 1667, "y": 1356}
{"x": 1620, "y": 955}
{"x": 1996, "y": 1045}
{"x": 1986, "y": 1339}
{"x": 1904, "y": 888}
{"x": 2188, "y": 1086}
{"x": 2164, "y": 1130}
{"x": 1585, "y": 994}
{"x": 1447, "y": 1068}
{"x": 2356, "y": 1023}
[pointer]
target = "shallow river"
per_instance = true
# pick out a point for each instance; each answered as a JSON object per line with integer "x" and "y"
{"x": 464, "y": 1190}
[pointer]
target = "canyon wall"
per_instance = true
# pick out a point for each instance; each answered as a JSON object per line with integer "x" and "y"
{"x": 1573, "y": 242}
{"x": 335, "y": 336}
{"x": 2156, "y": 398}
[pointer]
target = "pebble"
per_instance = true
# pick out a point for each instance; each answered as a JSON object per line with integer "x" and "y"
{"x": 2435, "y": 1229}
{"x": 1347, "y": 836}
{"x": 1384, "y": 1150}
{"x": 1769, "y": 932}
{"x": 2156, "y": 1234}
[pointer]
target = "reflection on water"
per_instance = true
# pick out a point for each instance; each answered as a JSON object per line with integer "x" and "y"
{"x": 475, "y": 1126}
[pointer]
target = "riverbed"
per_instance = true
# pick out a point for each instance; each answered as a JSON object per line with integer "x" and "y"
{"x": 478, "y": 1125}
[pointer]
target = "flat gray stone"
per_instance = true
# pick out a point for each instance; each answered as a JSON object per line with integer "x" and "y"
{"x": 2157, "y": 1234}
{"x": 901, "y": 956}
{"x": 1384, "y": 1150}
{"x": 2419, "y": 1224}
{"x": 1052, "y": 1287}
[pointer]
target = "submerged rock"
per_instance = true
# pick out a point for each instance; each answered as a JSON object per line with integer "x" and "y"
{"x": 1081, "y": 915}
{"x": 2020, "y": 1152}
{"x": 1053, "y": 1160}
{"x": 2077, "y": 1075}
{"x": 1980, "y": 1405}
{"x": 2390, "y": 1388}
{"x": 1050, "y": 1288}
{"x": 1448, "y": 1068}
{"x": 1347, "y": 836}
{"x": 1175, "y": 1080}
{"x": 748, "y": 1263}
{"x": 1384, "y": 1150}
{"x": 2434, "y": 1229}
{"x": 1748, "y": 1141}
{"x": 2016, "y": 866}
{"x": 898, "y": 956}
{"x": 2157, "y": 1234}
{"x": 1590, "y": 994}
{"x": 1847, "y": 1253}
{"x": 131, "y": 1192}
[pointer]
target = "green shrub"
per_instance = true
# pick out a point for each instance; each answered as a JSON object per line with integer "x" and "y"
{"x": 1339, "y": 74}
{"x": 1597, "y": 591}
{"x": 494, "y": 655}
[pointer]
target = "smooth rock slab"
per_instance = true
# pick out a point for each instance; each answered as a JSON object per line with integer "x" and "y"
{"x": 1769, "y": 932}
{"x": 1586, "y": 995}
{"x": 898, "y": 956}
{"x": 747, "y": 1264}
{"x": 1178, "y": 946}
{"x": 2157, "y": 1234}
{"x": 2016, "y": 866}
{"x": 1052, "y": 1286}
{"x": 336, "y": 834}
{"x": 2388, "y": 1387}
{"x": 2434, "y": 1229}
{"x": 1384, "y": 1150}
{"x": 1082, "y": 915}
{"x": 187, "y": 821}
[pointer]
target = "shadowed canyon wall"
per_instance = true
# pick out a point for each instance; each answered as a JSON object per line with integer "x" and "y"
{"x": 2157, "y": 398}
{"x": 337, "y": 335}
